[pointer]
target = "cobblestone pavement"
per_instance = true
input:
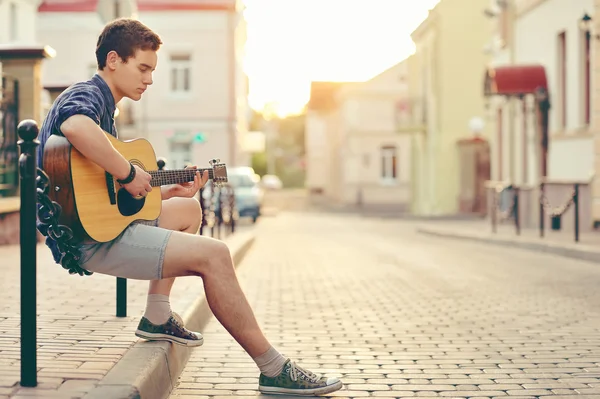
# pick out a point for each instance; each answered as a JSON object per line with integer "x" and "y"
{"x": 397, "y": 314}
{"x": 79, "y": 336}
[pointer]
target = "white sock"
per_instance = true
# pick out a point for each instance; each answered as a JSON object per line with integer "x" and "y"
{"x": 270, "y": 363}
{"x": 158, "y": 309}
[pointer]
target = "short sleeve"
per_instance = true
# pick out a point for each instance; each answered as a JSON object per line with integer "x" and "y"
{"x": 86, "y": 100}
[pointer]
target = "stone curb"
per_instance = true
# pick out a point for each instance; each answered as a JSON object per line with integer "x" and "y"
{"x": 151, "y": 369}
{"x": 576, "y": 251}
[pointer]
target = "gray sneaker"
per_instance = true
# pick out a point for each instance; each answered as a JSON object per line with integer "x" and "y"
{"x": 294, "y": 380}
{"x": 172, "y": 331}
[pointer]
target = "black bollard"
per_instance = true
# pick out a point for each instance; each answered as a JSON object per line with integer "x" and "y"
{"x": 576, "y": 203}
{"x": 542, "y": 209}
{"x": 516, "y": 211}
{"x": 28, "y": 132}
{"x": 121, "y": 297}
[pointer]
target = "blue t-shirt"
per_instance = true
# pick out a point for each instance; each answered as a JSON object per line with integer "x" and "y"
{"x": 93, "y": 99}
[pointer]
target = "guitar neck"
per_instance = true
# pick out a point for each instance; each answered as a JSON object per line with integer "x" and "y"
{"x": 164, "y": 177}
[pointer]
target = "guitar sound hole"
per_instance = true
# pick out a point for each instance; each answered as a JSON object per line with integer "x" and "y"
{"x": 127, "y": 204}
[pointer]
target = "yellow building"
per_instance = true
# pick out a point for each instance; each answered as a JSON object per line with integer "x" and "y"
{"x": 596, "y": 113}
{"x": 446, "y": 109}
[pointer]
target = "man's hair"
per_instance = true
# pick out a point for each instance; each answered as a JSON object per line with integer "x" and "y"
{"x": 125, "y": 36}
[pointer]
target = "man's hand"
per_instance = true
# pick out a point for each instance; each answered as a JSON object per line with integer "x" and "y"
{"x": 187, "y": 189}
{"x": 140, "y": 186}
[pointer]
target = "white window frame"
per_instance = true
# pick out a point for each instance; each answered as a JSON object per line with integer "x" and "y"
{"x": 180, "y": 152}
{"x": 181, "y": 73}
{"x": 389, "y": 159}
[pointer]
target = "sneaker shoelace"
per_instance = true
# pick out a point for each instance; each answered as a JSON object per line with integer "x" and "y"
{"x": 178, "y": 321}
{"x": 295, "y": 371}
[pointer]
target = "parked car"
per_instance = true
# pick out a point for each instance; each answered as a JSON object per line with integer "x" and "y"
{"x": 271, "y": 182}
{"x": 248, "y": 194}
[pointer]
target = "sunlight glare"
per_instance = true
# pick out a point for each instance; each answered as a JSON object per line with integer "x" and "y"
{"x": 293, "y": 42}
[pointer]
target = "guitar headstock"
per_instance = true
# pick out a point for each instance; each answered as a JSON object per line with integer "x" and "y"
{"x": 219, "y": 172}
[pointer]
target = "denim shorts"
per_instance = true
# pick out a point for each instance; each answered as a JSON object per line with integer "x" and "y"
{"x": 137, "y": 253}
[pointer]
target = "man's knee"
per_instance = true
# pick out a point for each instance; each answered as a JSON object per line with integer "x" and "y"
{"x": 189, "y": 254}
{"x": 220, "y": 260}
{"x": 195, "y": 210}
{"x": 192, "y": 212}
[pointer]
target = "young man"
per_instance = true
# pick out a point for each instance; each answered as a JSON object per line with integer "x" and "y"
{"x": 169, "y": 247}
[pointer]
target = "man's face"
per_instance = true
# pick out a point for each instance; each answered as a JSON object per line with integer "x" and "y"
{"x": 133, "y": 77}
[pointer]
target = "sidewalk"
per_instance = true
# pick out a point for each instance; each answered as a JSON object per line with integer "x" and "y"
{"x": 400, "y": 315}
{"x": 556, "y": 242}
{"x": 84, "y": 350}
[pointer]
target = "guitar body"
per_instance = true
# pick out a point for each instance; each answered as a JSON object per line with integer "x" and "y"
{"x": 93, "y": 206}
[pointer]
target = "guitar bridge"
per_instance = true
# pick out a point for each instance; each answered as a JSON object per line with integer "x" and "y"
{"x": 110, "y": 185}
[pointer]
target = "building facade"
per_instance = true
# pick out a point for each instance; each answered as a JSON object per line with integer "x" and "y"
{"x": 595, "y": 39}
{"x": 197, "y": 109}
{"x": 445, "y": 97}
{"x": 17, "y": 18}
{"x": 539, "y": 85}
{"x": 354, "y": 155}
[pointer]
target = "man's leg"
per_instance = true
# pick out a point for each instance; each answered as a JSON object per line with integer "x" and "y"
{"x": 178, "y": 214}
{"x": 188, "y": 255}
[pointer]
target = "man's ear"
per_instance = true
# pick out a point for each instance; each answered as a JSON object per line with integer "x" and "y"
{"x": 112, "y": 59}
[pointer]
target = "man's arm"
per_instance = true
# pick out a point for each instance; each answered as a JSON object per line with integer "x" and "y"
{"x": 89, "y": 139}
{"x": 164, "y": 193}
{"x": 78, "y": 120}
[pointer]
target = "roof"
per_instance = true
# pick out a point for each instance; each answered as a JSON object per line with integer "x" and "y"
{"x": 143, "y": 5}
{"x": 322, "y": 95}
{"x": 186, "y": 5}
{"x": 426, "y": 24}
{"x": 68, "y": 6}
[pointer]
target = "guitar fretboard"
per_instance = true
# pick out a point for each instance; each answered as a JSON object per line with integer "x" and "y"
{"x": 164, "y": 177}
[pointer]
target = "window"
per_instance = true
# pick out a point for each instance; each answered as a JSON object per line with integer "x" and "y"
{"x": 13, "y": 32}
{"x": 562, "y": 79}
{"x": 180, "y": 73}
{"x": 388, "y": 163}
{"x": 180, "y": 154}
{"x": 585, "y": 60}
{"x": 117, "y": 13}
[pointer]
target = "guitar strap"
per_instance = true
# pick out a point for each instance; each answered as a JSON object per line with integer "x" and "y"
{"x": 48, "y": 214}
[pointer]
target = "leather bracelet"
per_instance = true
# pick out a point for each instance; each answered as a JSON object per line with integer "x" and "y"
{"x": 129, "y": 178}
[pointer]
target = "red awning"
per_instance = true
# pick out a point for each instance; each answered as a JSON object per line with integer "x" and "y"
{"x": 68, "y": 6}
{"x": 186, "y": 5}
{"x": 514, "y": 80}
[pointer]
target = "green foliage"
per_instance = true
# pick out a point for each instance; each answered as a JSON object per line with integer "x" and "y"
{"x": 290, "y": 144}
{"x": 259, "y": 163}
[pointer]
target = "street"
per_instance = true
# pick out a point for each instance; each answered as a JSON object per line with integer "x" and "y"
{"x": 397, "y": 314}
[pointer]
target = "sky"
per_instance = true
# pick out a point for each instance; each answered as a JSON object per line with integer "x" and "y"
{"x": 293, "y": 42}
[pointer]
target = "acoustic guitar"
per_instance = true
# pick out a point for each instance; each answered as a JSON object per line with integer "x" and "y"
{"x": 94, "y": 205}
